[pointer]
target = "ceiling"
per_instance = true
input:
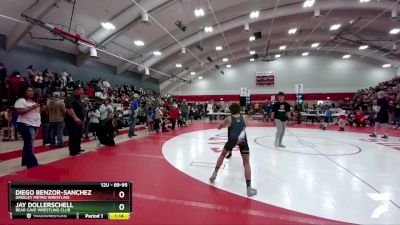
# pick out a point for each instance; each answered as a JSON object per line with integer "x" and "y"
{"x": 366, "y": 23}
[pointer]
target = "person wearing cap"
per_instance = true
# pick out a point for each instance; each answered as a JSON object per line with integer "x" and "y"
{"x": 73, "y": 120}
{"x": 56, "y": 110}
{"x": 281, "y": 114}
{"x": 133, "y": 115}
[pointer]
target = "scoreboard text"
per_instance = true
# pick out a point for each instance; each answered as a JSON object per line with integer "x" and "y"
{"x": 87, "y": 200}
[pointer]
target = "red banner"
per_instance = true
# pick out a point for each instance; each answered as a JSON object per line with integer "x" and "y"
{"x": 265, "y": 80}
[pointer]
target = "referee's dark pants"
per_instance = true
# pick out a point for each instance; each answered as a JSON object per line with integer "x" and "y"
{"x": 75, "y": 134}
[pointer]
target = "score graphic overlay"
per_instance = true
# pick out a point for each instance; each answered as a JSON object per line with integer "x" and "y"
{"x": 61, "y": 200}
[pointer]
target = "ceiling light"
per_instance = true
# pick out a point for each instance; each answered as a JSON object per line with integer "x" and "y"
{"x": 308, "y": 3}
{"x": 277, "y": 56}
{"x": 252, "y": 38}
{"x": 193, "y": 73}
{"x": 157, "y": 53}
{"x": 283, "y": 47}
{"x": 199, "y": 12}
{"x": 292, "y": 31}
{"x": 208, "y": 29}
{"x": 145, "y": 17}
{"x": 147, "y": 71}
{"x": 386, "y": 65}
{"x": 394, "y": 31}
{"x": 200, "y": 78}
{"x": 252, "y": 60}
{"x": 139, "y": 43}
{"x": 254, "y": 14}
{"x": 218, "y": 48}
{"x": 225, "y": 59}
{"x": 315, "y": 45}
{"x": 363, "y": 47}
{"x": 108, "y": 26}
{"x": 305, "y": 54}
{"x": 346, "y": 56}
{"x": 252, "y": 52}
{"x": 362, "y": 1}
{"x": 183, "y": 50}
{"x": 178, "y": 65}
{"x": 246, "y": 27}
{"x": 317, "y": 13}
{"x": 228, "y": 66}
{"x": 335, "y": 27}
{"x": 93, "y": 52}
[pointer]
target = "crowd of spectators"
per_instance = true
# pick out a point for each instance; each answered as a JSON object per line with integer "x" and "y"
{"x": 106, "y": 108}
{"x": 359, "y": 110}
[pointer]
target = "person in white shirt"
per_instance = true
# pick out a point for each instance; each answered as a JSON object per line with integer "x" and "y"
{"x": 28, "y": 123}
{"x": 106, "y": 84}
{"x": 94, "y": 115}
{"x": 104, "y": 110}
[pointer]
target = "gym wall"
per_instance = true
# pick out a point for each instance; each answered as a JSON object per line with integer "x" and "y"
{"x": 42, "y": 57}
{"x": 324, "y": 75}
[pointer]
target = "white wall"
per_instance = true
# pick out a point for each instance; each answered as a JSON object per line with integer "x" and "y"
{"x": 319, "y": 74}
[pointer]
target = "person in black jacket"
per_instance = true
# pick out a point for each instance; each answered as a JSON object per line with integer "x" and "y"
{"x": 3, "y": 78}
{"x": 73, "y": 120}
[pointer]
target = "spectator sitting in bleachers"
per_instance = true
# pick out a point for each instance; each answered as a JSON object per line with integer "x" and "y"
{"x": 60, "y": 86}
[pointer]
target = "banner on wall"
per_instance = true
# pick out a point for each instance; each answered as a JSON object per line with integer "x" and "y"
{"x": 244, "y": 92}
{"x": 265, "y": 79}
{"x": 299, "y": 89}
{"x": 244, "y": 97}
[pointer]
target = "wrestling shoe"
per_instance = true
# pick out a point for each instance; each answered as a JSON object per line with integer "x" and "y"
{"x": 213, "y": 177}
{"x": 251, "y": 191}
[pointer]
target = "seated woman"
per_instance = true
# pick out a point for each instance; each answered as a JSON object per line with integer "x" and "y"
{"x": 106, "y": 132}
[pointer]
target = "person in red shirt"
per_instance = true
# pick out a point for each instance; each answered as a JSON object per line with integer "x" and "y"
{"x": 90, "y": 91}
{"x": 14, "y": 83}
{"x": 173, "y": 115}
{"x": 125, "y": 101}
{"x": 360, "y": 119}
{"x": 166, "y": 103}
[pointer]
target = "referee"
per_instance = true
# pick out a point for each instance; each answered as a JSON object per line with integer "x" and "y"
{"x": 281, "y": 114}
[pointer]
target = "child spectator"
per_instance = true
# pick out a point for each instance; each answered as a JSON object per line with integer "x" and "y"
{"x": 173, "y": 115}
{"x": 150, "y": 119}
